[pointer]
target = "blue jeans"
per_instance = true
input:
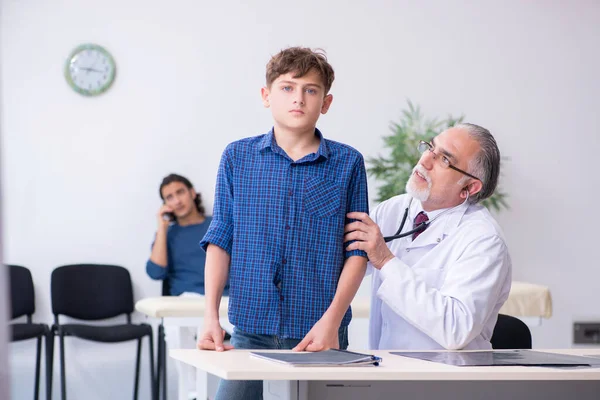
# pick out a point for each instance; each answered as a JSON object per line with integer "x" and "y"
{"x": 253, "y": 390}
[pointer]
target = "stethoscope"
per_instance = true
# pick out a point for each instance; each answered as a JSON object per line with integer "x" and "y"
{"x": 421, "y": 227}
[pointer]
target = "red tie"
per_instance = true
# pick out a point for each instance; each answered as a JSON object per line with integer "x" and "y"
{"x": 421, "y": 217}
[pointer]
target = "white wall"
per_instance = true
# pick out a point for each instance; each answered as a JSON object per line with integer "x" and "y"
{"x": 4, "y": 371}
{"x": 4, "y": 317}
{"x": 80, "y": 175}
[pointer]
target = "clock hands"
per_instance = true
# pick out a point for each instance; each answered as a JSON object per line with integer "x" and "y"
{"x": 90, "y": 69}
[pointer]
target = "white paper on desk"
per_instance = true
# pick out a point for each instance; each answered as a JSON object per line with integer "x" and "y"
{"x": 327, "y": 358}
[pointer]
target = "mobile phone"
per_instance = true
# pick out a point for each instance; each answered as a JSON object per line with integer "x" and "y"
{"x": 169, "y": 216}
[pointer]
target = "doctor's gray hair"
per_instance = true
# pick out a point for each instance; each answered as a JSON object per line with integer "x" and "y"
{"x": 486, "y": 164}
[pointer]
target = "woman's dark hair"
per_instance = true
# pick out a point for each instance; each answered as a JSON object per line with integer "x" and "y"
{"x": 178, "y": 178}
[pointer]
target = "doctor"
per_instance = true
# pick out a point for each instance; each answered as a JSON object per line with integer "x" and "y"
{"x": 439, "y": 281}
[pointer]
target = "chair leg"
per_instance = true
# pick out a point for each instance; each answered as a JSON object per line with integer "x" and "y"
{"x": 163, "y": 361}
{"x": 151, "y": 360}
{"x": 63, "y": 379}
{"x": 158, "y": 363}
{"x": 38, "y": 356}
{"x": 137, "y": 369}
{"x": 49, "y": 363}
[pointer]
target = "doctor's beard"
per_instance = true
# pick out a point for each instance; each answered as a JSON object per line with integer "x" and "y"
{"x": 421, "y": 194}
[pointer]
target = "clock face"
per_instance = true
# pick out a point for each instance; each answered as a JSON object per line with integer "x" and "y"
{"x": 90, "y": 70}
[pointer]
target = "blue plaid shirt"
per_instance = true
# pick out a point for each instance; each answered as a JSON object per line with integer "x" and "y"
{"x": 282, "y": 223}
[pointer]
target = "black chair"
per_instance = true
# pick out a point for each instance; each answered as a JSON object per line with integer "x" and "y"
{"x": 510, "y": 333}
{"x": 94, "y": 292}
{"x": 22, "y": 298}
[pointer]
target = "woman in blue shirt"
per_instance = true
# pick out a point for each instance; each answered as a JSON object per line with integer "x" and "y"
{"x": 178, "y": 258}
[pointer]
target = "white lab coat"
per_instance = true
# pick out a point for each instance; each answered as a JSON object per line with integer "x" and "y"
{"x": 443, "y": 290}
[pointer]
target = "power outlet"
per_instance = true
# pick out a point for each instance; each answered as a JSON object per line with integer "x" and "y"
{"x": 586, "y": 333}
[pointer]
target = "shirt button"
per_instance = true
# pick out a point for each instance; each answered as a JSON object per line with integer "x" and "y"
{"x": 284, "y": 261}
{"x": 287, "y": 227}
{"x": 408, "y": 250}
{"x": 281, "y": 297}
{"x": 439, "y": 240}
{"x": 291, "y": 193}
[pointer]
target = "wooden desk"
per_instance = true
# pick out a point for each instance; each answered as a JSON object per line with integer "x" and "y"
{"x": 189, "y": 311}
{"x": 527, "y": 301}
{"x": 401, "y": 377}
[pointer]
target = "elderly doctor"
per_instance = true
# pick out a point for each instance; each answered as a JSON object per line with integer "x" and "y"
{"x": 439, "y": 281}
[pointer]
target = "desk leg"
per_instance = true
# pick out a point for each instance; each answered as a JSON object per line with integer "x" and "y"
{"x": 285, "y": 390}
{"x": 201, "y": 376}
{"x": 201, "y": 384}
{"x": 203, "y": 387}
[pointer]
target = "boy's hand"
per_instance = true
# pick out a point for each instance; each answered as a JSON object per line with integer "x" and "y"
{"x": 322, "y": 336}
{"x": 212, "y": 337}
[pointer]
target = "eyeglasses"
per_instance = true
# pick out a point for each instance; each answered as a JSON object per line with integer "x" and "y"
{"x": 442, "y": 159}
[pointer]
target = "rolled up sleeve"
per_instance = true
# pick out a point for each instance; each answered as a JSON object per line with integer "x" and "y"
{"x": 220, "y": 232}
{"x": 155, "y": 271}
{"x": 358, "y": 199}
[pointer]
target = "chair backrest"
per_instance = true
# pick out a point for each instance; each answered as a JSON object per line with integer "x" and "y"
{"x": 91, "y": 291}
{"x": 166, "y": 287}
{"x": 511, "y": 333}
{"x": 22, "y": 297}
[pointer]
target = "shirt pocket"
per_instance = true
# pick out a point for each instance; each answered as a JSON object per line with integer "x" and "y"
{"x": 433, "y": 277}
{"x": 430, "y": 269}
{"x": 321, "y": 197}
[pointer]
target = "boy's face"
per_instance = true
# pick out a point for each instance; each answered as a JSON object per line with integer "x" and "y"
{"x": 297, "y": 103}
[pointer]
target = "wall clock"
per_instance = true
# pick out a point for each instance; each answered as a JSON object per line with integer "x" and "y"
{"x": 90, "y": 70}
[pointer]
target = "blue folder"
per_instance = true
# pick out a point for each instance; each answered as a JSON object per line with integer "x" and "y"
{"x": 327, "y": 358}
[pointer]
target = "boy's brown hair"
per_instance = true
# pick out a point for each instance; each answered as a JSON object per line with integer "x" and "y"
{"x": 300, "y": 60}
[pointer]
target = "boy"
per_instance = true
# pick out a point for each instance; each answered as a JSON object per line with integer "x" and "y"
{"x": 278, "y": 225}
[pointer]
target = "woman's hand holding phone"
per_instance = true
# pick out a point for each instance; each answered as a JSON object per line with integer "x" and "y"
{"x": 165, "y": 216}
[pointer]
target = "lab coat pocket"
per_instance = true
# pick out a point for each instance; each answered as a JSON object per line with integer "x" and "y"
{"x": 321, "y": 197}
{"x": 433, "y": 273}
{"x": 434, "y": 278}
